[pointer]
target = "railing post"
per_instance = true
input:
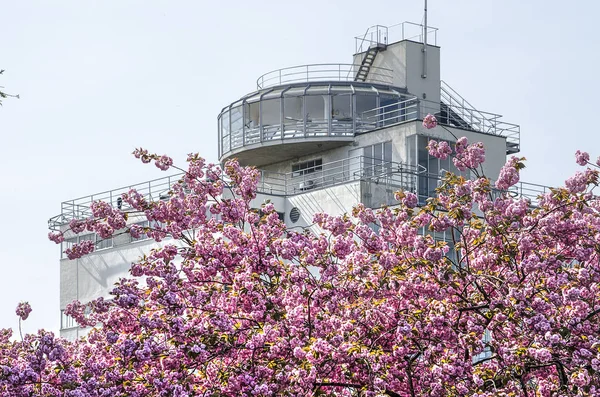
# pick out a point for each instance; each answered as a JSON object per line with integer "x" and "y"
{"x": 260, "y": 120}
{"x": 243, "y": 124}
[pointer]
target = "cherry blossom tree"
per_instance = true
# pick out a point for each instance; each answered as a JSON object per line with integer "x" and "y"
{"x": 236, "y": 304}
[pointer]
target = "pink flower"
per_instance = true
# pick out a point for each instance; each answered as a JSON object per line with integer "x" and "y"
{"x": 81, "y": 249}
{"x": 57, "y": 237}
{"x": 509, "y": 174}
{"x": 439, "y": 150}
{"x": 429, "y": 121}
{"x": 410, "y": 200}
{"x": 582, "y": 158}
{"x": 470, "y": 157}
{"x": 143, "y": 155}
{"x": 164, "y": 162}
{"x": 23, "y": 310}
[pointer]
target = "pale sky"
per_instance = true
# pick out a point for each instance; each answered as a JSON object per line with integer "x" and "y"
{"x": 99, "y": 78}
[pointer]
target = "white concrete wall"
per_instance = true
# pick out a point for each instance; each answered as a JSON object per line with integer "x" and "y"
{"x": 94, "y": 275}
{"x": 335, "y": 200}
{"x": 405, "y": 59}
{"x": 495, "y": 146}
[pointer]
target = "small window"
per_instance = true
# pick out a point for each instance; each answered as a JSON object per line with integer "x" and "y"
{"x": 103, "y": 243}
{"x": 307, "y": 167}
{"x": 66, "y": 322}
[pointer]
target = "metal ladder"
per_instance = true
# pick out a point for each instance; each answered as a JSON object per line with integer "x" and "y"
{"x": 367, "y": 62}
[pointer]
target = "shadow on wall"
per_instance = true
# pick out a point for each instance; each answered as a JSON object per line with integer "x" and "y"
{"x": 98, "y": 273}
{"x": 336, "y": 200}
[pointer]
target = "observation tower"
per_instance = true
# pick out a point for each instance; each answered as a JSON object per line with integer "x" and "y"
{"x": 324, "y": 137}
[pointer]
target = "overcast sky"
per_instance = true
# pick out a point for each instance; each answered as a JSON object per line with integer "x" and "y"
{"x": 99, "y": 78}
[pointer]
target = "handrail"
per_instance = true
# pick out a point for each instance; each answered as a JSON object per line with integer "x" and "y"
{"x": 331, "y": 174}
{"x": 398, "y": 32}
{"x": 405, "y": 109}
{"x": 321, "y": 72}
{"x": 379, "y": 30}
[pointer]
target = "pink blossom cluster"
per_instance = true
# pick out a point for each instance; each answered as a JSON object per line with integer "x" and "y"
{"x": 509, "y": 174}
{"x": 81, "y": 249}
{"x": 440, "y": 150}
{"x": 468, "y": 156}
{"x": 429, "y": 121}
{"x": 23, "y": 310}
{"x": 582, "y": 157}
{"x": 476, "y": 293}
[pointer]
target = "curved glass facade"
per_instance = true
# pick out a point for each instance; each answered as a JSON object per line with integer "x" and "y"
{"x": 317, "y": 110}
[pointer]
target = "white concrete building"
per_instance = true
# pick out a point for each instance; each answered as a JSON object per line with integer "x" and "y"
{"x": 325, "y": 138}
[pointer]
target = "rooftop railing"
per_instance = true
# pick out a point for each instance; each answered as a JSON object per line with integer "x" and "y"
{"x": 321, "y": 72}
{"x": 391, "y": 175}
{"x": 338, "y": 172}
{"x": 383, "y": 35}
{"x": 79, "y": 208}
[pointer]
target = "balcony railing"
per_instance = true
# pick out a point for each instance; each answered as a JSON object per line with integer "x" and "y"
{"x": 391, "y": 176}
{"x": 79, "y": 208}
{"x": 322, "y": 72}
{"x": 403, "y": 110}
{"x": 339, "y": 172}
{"x": 384, "y": 35}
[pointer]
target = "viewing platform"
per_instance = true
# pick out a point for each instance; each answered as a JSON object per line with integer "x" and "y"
{"x": 390, "y": 175}
{"x": 309, "y": 117}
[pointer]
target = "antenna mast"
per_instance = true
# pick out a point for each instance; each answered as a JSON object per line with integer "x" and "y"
{"x": 424, "y": 74}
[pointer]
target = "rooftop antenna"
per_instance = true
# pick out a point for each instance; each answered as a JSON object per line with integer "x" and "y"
{"x": 424, "y": 74}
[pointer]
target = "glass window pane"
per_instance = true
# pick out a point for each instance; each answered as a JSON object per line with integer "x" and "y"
{"x": 237, "y": 123}
{"x": 317, "y": 115}
{"x": 316, "y": 108}
{"x": 378, "y": 157}
{"x": 225, "y": 131}
{"x": 341, "y": 114}
{"x": 252, "y": 122}
{"x": 389, "y": 109}
{"x": 387, "y": 156}
{"x": 366, "y": 117}
{"x": 271, "y": 110}
{"x": 342, "y": 107}
{"x": 293, "y": 119}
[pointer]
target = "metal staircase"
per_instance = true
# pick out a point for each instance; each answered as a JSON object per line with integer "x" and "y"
{"x": 367, "y": 62}
{"x": 373, "y": 41}
{"x": 457, "y": 111}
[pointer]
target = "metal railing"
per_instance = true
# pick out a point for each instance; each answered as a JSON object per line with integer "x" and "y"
{"x": 527, "y": 190}
{"x": 383, "y": 177}
{"x": 79, "y": 208}
{"x": 450, "y": 114}
{"x": 461, "y": 111}
{"x": 383, "y": 35}
{"x": 374, "y": 36}
{"x": 321, "y": 72}
{"x": 335, "y": 173}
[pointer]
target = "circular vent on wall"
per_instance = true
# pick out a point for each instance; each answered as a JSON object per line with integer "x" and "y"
{"x": 294, "y": 215}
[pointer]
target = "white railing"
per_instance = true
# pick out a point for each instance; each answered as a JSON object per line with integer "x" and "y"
{"x": 321, "y": 72}
{"x": 79, "y": 208}
{"x": 450, "y": 114}
{"x": 337, "y": 172}
{"x": 461, "y": 111}
{"x": 383, "y": 35}
{"x": 389, "y": 174}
